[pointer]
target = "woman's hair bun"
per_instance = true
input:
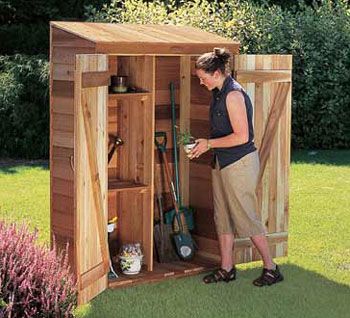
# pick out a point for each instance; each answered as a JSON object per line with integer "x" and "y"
{"x": 218, "y": 59}
{"x": 218, "y": 51}
{"x": 222, "y": 54}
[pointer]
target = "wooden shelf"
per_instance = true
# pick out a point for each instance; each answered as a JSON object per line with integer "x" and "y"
{"x": 116, "y": 185}
{"x": 113, "y": 96}
{"x": 164, "y": 271}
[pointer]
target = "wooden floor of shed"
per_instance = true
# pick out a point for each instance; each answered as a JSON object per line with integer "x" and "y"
{"x": 163, "y": 271}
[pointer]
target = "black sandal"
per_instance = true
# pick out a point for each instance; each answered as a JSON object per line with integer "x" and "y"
{"x": 269, "y": 277}
{"x": 220, "y": 275}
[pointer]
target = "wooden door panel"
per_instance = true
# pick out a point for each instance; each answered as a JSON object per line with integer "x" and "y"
{"x": 90, "y": 162}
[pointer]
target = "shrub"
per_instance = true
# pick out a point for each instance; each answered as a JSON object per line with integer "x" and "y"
{"x": 34, "y": 282}
{"x": 321, "y": 108}
{"x": 24, "y": 106}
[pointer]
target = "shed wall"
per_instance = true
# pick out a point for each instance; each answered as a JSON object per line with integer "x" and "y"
{"x": 63, "y": 48}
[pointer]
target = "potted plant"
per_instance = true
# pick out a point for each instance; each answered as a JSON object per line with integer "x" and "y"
{"x": 185, "y": 139}
{"x": 130, "y": 258}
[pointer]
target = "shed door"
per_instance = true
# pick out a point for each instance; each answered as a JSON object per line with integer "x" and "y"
{"x": 91, "y": 176}
{"x": 267, "y": 80}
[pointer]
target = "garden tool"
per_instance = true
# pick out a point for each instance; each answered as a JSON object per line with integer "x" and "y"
{"x": 110, "y": 228}
{"x": 182, "y": 239}
{"x": 188, "y": 212}
{"x": 115, "y": 141}
{"x": 162, "y": 236}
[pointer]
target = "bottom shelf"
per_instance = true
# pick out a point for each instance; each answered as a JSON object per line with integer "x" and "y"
{"x": 163, "y": 271}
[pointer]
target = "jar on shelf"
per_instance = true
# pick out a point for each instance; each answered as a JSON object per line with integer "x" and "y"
{"x": 119, "y": 84}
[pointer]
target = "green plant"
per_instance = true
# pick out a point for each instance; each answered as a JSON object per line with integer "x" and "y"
{"x": 184, "y": 137}
{"x": 24, "y": 106}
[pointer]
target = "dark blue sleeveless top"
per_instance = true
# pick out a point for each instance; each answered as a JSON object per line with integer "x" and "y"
{"x": 220, "y": 124}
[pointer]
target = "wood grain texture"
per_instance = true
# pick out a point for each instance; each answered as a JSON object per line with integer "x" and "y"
{"x": 95, "y": 79}
{"x": 184, "y": 124}
{"x": 61, "y": 38}
{"x": 263, "y": 76}
{"x": 142, "y": 39}
{"x": 165, "y": 271}
{"x": 91, "y": 179}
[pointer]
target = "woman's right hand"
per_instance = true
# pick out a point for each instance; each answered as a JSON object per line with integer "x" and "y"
{"x": 199, "y": 149}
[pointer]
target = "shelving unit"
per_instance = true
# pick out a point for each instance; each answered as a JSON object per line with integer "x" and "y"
{"x": 130, "y": 172}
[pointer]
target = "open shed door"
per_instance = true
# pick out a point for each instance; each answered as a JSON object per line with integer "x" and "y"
{"x": 91, "y": 177}
{"x": 267, "y": 80}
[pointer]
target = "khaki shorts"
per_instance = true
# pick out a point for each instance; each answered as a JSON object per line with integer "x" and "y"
{"x": 235, "y": 201}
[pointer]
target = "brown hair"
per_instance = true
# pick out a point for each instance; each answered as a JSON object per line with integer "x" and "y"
{"x": 212, "y": 61}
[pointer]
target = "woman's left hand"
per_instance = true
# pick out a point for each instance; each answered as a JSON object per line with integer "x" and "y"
{"x": 199, "y": 149}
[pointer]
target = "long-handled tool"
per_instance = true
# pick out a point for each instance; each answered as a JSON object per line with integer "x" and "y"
{"x": 162, "y": 236}
{"x": 188, "y": 212}
{"x": 183, "y": 240}
{"x": 115, "y": 141}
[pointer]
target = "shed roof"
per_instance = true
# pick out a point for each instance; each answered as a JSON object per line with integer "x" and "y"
{"x": 109, "y": 36}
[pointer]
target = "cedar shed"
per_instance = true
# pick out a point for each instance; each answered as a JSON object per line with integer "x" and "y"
{"x": 86, "y": 190}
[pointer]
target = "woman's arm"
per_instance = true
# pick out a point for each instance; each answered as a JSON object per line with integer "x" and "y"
{"x": 238, "y": 118}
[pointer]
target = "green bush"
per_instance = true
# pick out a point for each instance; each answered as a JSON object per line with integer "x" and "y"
{"x": 24, "y": 106}
{"x": 317, "y": 37}
{"x": 321, "y": 108}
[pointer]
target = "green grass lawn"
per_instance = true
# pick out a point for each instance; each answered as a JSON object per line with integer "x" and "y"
{"x": 317, "y": 270}
{"x": 25, "y": 196}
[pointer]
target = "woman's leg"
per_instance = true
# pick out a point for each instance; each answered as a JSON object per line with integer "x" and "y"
{"x": 223, "y": 223}
{"x": 227, "y": 271}
{"x": 260, "y": 242}
{"x": 226, "y": 251}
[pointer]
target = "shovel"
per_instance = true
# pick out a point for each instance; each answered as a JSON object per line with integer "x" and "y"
{"x": 187, "y": 211}
{"x": 162, "y": 237}
{"x": 182, "y": 239}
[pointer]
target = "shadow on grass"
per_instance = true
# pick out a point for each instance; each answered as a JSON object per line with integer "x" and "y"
{"x": 14, "y": 166}
{"x": 302, "y": 294}
{"x": 328, "y": 157}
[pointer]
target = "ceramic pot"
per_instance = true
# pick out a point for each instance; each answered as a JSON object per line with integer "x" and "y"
{"x": 189, "y": 147}
{"x": 130, "y": 265}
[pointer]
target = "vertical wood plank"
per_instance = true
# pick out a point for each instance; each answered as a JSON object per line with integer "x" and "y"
{"x": 185, "y": 109}
{"x": 149, "y": 130}
{"x": 89, "y": 253}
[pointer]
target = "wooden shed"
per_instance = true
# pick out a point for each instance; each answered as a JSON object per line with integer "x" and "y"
{"x": 86, "y": 190}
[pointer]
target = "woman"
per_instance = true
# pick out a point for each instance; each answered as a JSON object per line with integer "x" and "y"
{"x": 235, "y": 167}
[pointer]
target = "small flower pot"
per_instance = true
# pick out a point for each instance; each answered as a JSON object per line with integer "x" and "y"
{"x": 189, "y": 147}
{"x": 130, "y": 265}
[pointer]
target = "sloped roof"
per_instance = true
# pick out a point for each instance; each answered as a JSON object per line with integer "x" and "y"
{"x": 107, "y": 35}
